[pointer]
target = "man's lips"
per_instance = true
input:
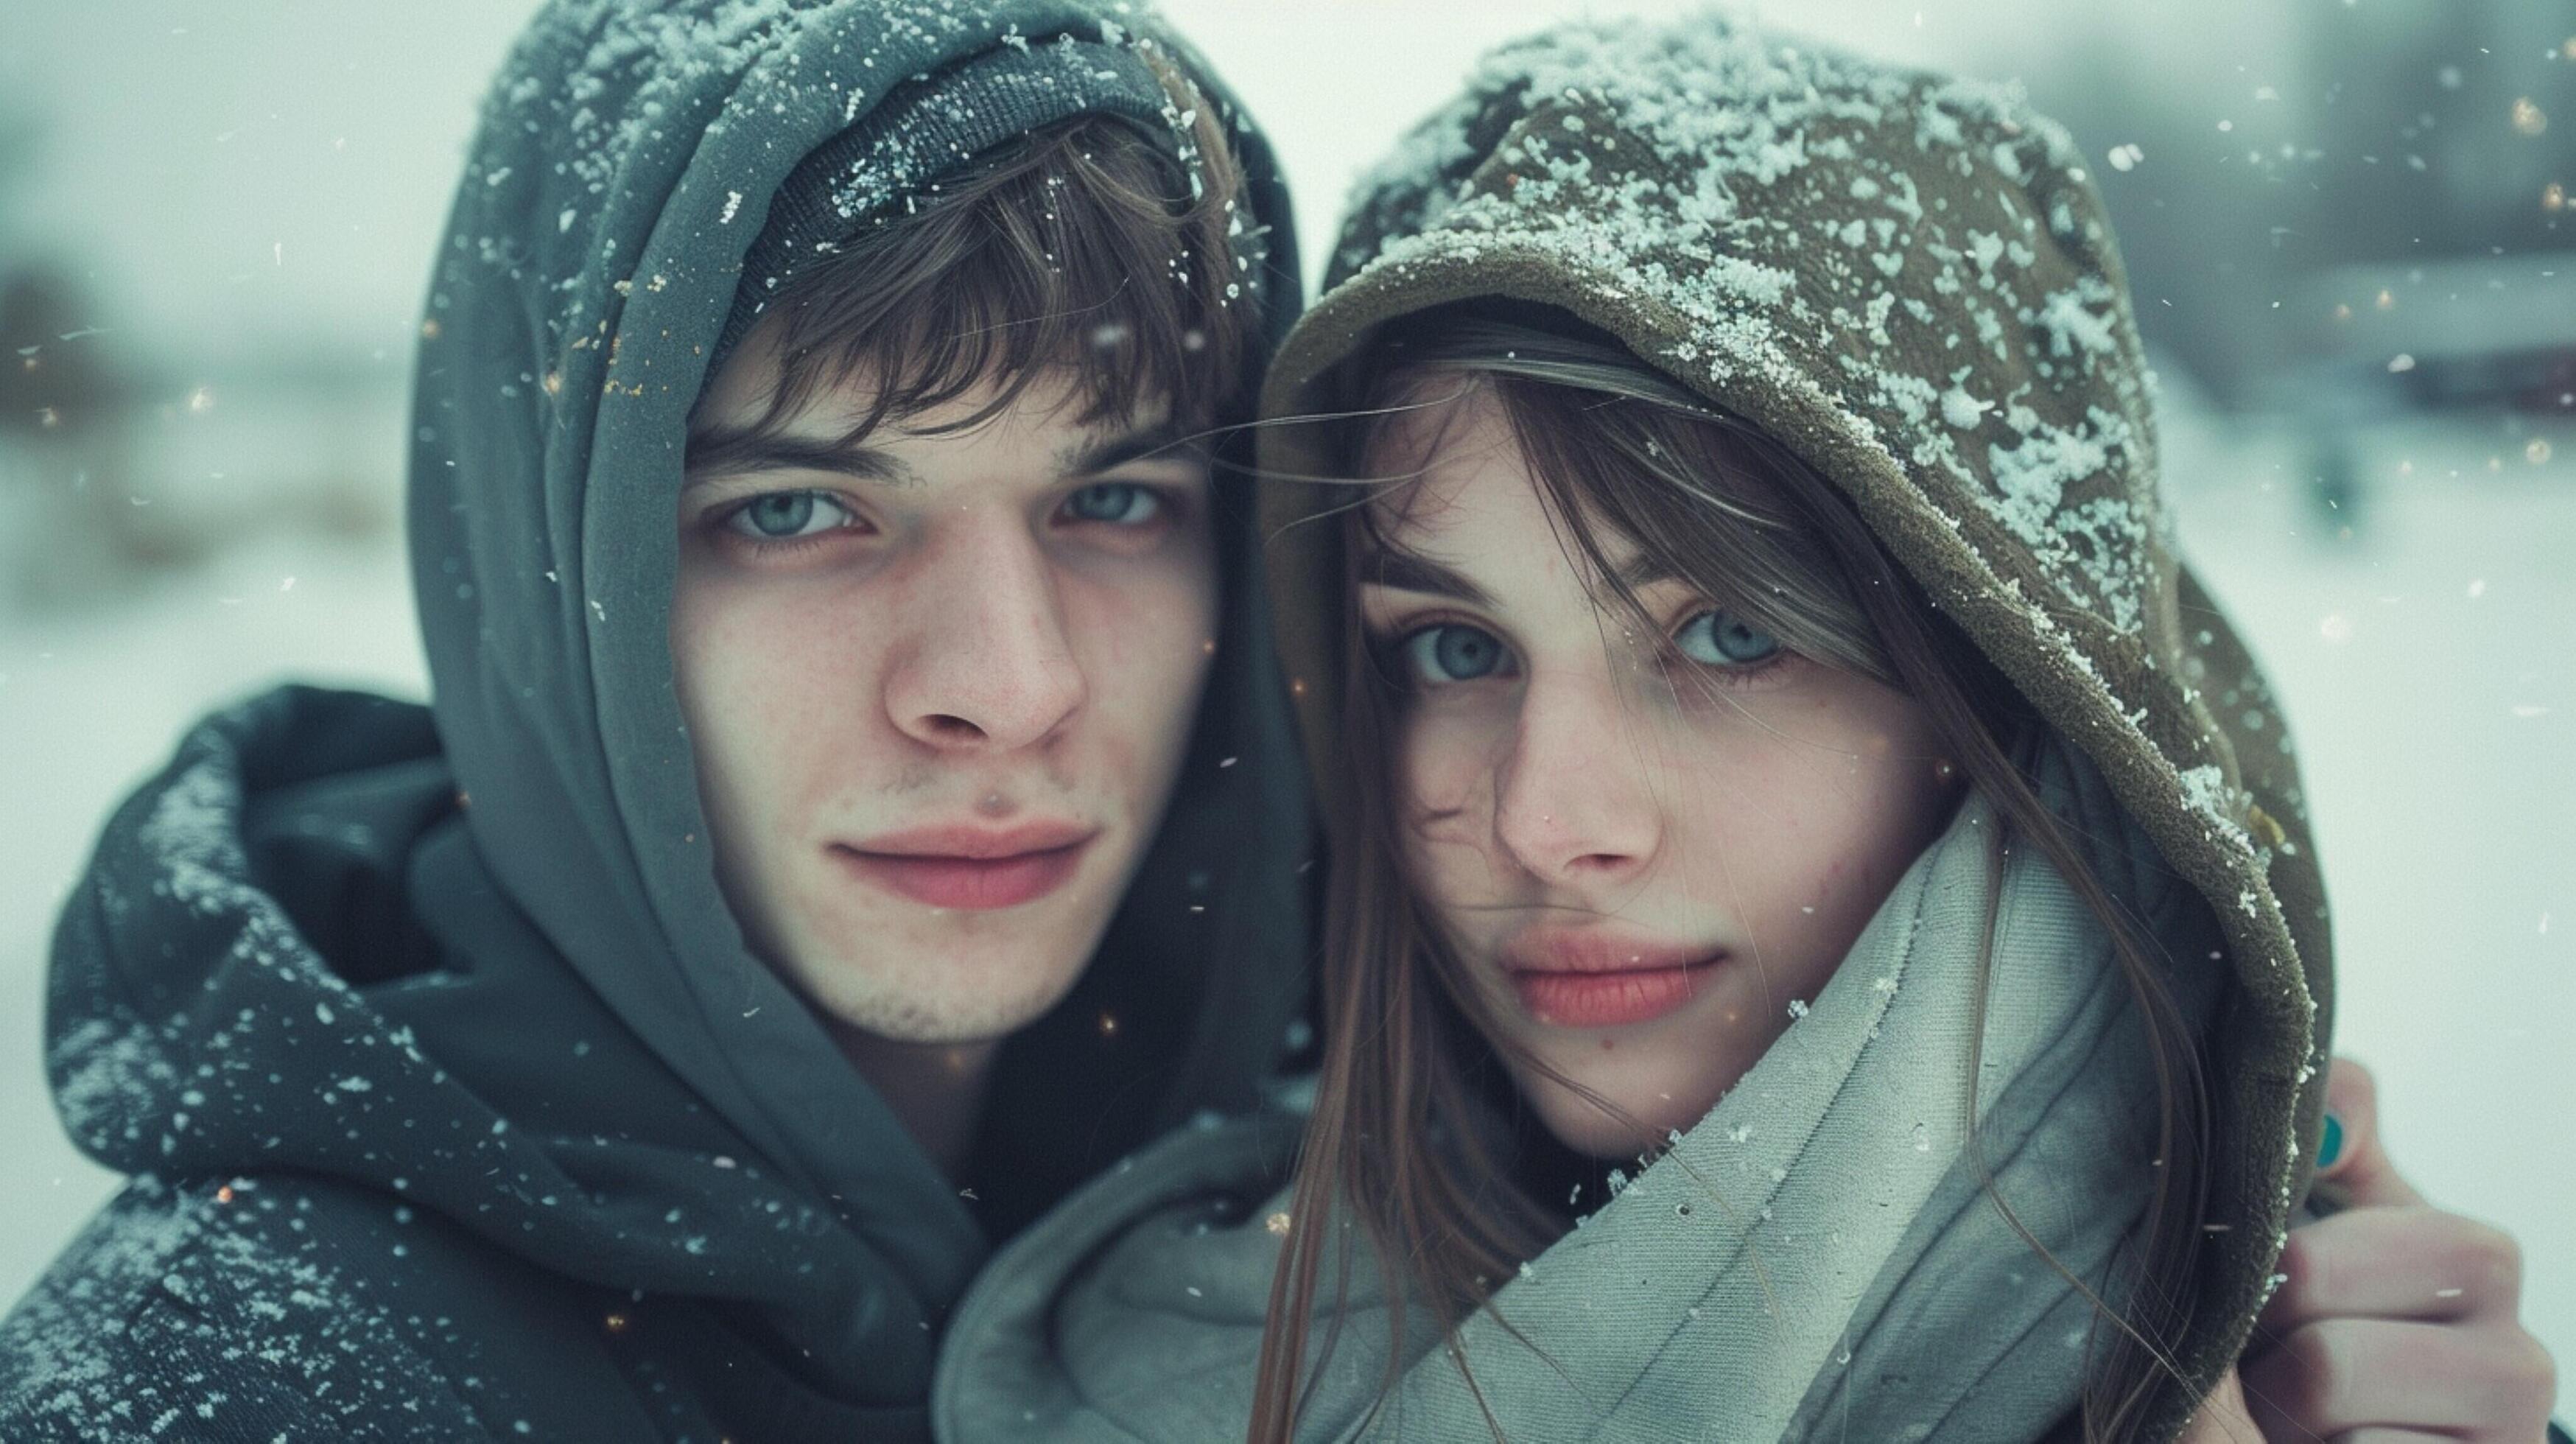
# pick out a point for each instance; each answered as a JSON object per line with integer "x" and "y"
{"x": 970, "y": 868}
{"x": 1596, "y": 978}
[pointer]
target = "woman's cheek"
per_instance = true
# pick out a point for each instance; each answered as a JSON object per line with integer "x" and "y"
{"x": 1440, "y": 759}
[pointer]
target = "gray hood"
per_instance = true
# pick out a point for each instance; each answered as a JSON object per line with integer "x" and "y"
{"x": 627, "y": 160}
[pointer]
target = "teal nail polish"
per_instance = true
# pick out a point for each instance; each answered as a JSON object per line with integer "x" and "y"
{"x": 2330, "y": 1147}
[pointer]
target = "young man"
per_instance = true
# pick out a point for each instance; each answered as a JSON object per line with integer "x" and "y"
{"x": 856, "y": 803}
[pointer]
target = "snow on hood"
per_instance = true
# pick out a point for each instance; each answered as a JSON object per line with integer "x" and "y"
{"x": 1909, "y": 281}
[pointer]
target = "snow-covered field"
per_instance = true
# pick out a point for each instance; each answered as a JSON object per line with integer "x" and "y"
{"x": 90, "y": 702}
{"x": 2428, "y": 665}
{"x": 2428, "y": 670}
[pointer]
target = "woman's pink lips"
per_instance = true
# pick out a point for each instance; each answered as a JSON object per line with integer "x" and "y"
{"x": 1607, "y": 1000}
{"x": 971, "y": 869}
{"x": 1592, "y": 979}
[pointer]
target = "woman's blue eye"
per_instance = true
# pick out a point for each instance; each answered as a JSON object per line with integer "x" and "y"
{"x": 782, "y": 515}
{"x": 1722, "y": 639}
{"x": 1452, "y": 653}
{"x": 1118, "y": 503}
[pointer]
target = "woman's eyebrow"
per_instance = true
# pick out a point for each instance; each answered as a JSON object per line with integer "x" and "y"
{"x": 1407, "y": 572}
{"x": 1643, "y": 570}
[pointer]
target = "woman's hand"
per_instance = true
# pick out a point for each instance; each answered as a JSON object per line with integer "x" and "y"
{"x": 2398, "y": 1321}
{"x": 2223, "y": 1418}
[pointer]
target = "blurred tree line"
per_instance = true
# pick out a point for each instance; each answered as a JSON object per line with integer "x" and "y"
{"x": 2421, "y": 149}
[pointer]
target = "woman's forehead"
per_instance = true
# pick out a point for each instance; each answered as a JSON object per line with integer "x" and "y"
{"x": 1436, "y": 488}
{"x": 1438, "y": 450}
{"x": 1452, "y": 483}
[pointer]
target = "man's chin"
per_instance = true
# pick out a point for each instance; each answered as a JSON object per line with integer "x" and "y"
{"x": 969, "y": 1008}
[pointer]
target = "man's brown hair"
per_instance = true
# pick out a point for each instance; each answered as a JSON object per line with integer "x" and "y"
{"x": 1087, "y": 252}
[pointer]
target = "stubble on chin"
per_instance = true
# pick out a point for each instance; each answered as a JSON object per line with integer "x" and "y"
{"x": 953, "y": 1015}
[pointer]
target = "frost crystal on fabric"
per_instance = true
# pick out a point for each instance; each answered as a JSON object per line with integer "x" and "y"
{"x": 1773, "y": 196}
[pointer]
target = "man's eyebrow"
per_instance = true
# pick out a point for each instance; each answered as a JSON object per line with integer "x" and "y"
{"x": 1110, "y": 453}
{"x": 1406, "y": 572}
{"x": 741, "y": 453}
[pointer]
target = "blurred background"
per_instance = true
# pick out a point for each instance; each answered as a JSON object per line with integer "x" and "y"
{"x": 2348, "y": 224}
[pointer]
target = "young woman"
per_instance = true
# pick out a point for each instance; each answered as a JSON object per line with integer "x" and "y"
{"x": 1822, "y": 937}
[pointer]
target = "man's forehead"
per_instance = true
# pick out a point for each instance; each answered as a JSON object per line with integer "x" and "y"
{"x": 1047, "y": 425}
{"x": 842, "y": 389}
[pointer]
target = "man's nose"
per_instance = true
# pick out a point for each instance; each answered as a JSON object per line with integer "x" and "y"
{"x": 989, "y": 665}
{"x": 1573, "y": 804}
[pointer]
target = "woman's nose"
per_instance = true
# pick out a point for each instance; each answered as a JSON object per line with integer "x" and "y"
{"x": 990, "y": 665}
{"x": 1574, "y": 803}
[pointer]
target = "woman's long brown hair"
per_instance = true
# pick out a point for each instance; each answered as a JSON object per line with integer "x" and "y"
{"x": 1399, "y": 1150}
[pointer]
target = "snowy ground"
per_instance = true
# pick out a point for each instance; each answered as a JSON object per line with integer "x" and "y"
{"x": 92, "y": 701}
{"x": 2428, "y": 664}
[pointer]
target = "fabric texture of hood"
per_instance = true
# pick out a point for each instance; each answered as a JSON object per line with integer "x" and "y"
{"x": 1909, "y": 281}
{"x": 494, "y": 974}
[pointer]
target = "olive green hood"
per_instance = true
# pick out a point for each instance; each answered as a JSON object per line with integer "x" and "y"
{"x": 1909, "y": 281}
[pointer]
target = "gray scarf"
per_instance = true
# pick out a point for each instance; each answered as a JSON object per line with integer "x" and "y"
{"x": 1818, "y": 1258}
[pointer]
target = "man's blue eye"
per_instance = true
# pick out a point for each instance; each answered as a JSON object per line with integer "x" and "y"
{"x": 1722, "y": 639}
{"x": 1452, "y": 653}
{"x": 1118, "y": 503}
{"x": 780, "y": 515}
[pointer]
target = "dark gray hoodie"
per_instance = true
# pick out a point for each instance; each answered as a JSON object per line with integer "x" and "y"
{"x": 456, "y": 1105}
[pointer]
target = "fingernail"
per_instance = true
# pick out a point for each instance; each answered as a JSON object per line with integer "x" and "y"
{"x": 2330, "y": 1147}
